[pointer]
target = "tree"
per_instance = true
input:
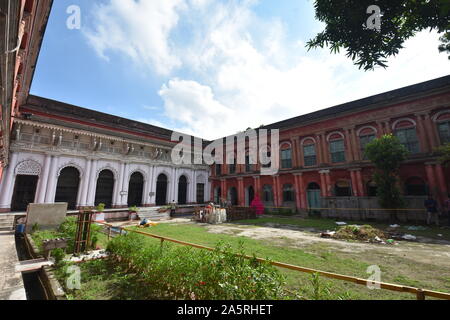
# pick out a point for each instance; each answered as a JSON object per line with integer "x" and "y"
{"x": 444, "y": 154}
{"x": 350, "y": 26}
{"x": 387, "y": 153}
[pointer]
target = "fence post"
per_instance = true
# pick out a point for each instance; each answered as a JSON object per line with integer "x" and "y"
{"x": 109, "y": 233}
{"x": 420, "y": 294}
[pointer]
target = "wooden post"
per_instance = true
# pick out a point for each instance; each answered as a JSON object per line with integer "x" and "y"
{"x": 109, "y": 233}
{"x": 420, "y": 294}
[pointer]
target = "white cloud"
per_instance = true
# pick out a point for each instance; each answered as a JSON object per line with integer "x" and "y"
{"x": 243, "y": 71}
{"x": 138, "y": 29}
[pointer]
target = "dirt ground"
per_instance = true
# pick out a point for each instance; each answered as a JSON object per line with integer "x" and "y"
{"x": 437, "y": 253}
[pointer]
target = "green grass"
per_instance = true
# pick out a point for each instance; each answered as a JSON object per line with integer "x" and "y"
{"x": 318, "y": 257}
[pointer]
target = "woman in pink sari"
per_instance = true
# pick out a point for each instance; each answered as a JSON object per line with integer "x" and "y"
{"x": 258, "y": 205}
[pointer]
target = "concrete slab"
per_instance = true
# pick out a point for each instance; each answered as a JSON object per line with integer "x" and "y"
{"x": 11, "y": 282}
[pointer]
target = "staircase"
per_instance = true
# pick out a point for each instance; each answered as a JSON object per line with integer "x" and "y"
{"x": 6, "y": 222}
{"x": 152, "y": 214}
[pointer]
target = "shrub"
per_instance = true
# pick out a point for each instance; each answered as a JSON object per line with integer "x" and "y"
{"x": 196, "y": 274}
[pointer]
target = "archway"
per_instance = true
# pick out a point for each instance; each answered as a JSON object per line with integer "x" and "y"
{"x": 233, "y": 196}
{"x": 313, "y": 192}
{"x": 135, "y": 189}
{"x": 67, "y": 187}
{"x": 249, "y": 195}
{"x": 24, "y": 192}
{"x": 161, "y": 190}
{"x": 182, "y": 190}
{"x": 105, "y": 188}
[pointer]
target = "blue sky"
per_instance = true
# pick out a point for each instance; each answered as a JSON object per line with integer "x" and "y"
{"x": 209, "y": 67}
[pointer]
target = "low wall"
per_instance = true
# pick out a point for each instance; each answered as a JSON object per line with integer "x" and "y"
{"x": 368, "y": 208}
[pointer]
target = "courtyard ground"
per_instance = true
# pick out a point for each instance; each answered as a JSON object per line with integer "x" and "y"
{"x": 424, "y": 263}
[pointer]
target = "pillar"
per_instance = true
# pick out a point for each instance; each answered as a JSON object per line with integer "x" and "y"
{"x": 257, "y": 180}
{"x": 422, "y": 134}
{"x": 300, "y": 195}
{"x": 7, "y": 185}
{"x": 431, "y": 179}
{"x": 441, "y": 182}
{"x": 355, "y": 188}
{"x": 52, "y": 180}
{"x": 360, "y": 183}
{"x": 118, "y": 186}
{"x": 295, "y": 153}
{"x": 323, "y": 184}
{"x": 355, "y": 145}
{"x": 348, "y": 145}
{"x": 92, "y": 183}
{"x": 42, "y": 186}
{"x": 241, "y": 193}
{"x": 85, "y": 184}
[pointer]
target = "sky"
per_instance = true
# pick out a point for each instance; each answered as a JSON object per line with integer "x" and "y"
{"x": 210, "y": 68}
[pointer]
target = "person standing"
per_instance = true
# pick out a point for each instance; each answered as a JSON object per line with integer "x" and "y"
{"x": 432, "y": 212}
{"x": 173, "y": 207}
{"x": 447, "y": 208}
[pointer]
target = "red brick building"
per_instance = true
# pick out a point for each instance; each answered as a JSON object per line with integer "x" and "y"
{"x": 321, "y": 153}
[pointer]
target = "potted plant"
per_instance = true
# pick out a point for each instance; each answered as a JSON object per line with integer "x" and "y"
{"x": 133, "y": 212}
{"x": 100, "y": 215}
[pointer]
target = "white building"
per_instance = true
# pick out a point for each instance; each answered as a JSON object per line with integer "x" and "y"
{"x": 64, "y": 153}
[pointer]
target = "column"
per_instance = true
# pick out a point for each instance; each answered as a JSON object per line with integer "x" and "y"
{"x": 318, "y": 147}
{"x": 42, "y": 186}
{"x": 422, "y": 135}
{"x": 123, "y": 191}
{"x": 194, "y": 187}
{"x": 300, "y": 195}
{"x": 52, "y": 180}
{"x": 257, "y": 181}
{"x": 431, "y": 179}
{"x": 152, "y": 186}
{"x": 323, "y": 184}
{"x": 7, "y": 186}
{"x": 325, "y": 153}
{"x": 174, "y": 186}
{"x": 355, "y": 188}
{"x": 92, "y": 183}
{"x": 380, "y": 129}
{"x": 275, "y": 191}
{"x": 432, "y": 135}
{"x": 295, "y": 153}
{"x": 241, "y": 192}
{"x": 349, "y": 145}
{"x": 86, "y": 183}
{"x": 223, "y": 189}
{"x": 441, "y": 181}
{"x": 355, "y": 145}
{"x": 359, "y": 181}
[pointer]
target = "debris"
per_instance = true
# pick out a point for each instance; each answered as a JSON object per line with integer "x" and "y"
{"x": 415, "y": 228}
{"x": 365, "y": 233}
{"x": 390, "y": 241}
{"x": 394, "y": 225}
{"x": 327, "y": 234}
{"x": 409, "y": 237}
{"x": 341, "y": 223}
{"x": 440, "y": 235}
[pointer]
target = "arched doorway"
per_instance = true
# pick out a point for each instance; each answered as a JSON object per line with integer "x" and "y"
{"x": 249, "y": 195}
{"x": 161, "y": 190}
{"x": 313, "y": 193}
{"x": 182, "y": 190}
{"x": 67, "y": 187}
{"x": 135, "y": 189}
{"x": 24, "y": 192}
{"x": 105, "y": 188}
{"x": 342, "y": 188}
{"x": 233, "y": 196}
{"x": 217, "y": 195}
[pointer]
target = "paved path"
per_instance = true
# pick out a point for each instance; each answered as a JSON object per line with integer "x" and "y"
{"x": 11, "y": 283}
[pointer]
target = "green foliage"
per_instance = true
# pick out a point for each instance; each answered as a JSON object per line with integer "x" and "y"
{"x": 100, "y": 207}
{"x": 196, "y": 274}
{"x": 387, "y": 153}
{"x": 444, "y": 154}
{"x": 35, "y": 228}
{"x": 346, "y": 27}
{"x": 59, "y": 255}
{"x": 133, "y": 209}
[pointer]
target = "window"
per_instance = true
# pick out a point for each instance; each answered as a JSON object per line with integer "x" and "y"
{"x": 218, "y": 169}
{"x": 288, "y": 193}
{"x": 267, "y": 193}
{"x": 444, "y": 132}
{"x": 232, "y": 168}
{"x": 309, "y": 155}
{"x": 200, "y": 192}
{"x": 248, "y": 166}
{"x": 337, "y": 151}
{"x": 364, "y": 140}
{"x": 343, "y": 189}
{"x": 286, "y": 159}
{"x": 415, "y": 187}
{"x": 371, "y": 189}
{"x": 408, "y": 138}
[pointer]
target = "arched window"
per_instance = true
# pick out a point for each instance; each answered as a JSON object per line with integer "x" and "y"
{"x": 371, "y": 189}
{"x": 405, "y": 131}
{"x": 233, "y": 196}
{"x": 105, "y": 187}
{"x": 337, "y": 147}
{"x": 415, "y": 187}
{"x": 182, "y": 190}
{"x": 218, "y": 169}
{"x": 288, "y": 193}
{"x": 267, "y": 193}
{"x": 309, "y": 152}
{"x": 161, "y": 190}
{"x": 135, "y": 189}
{"x": 286, "y": 156}
{"x": 342, "y": 189}
{"x": 443, "y": 126}
{"x": 366, "y": 135}
{"x": 67, "y": 187}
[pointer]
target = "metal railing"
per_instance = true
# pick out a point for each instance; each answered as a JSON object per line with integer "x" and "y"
{"x": 420, "y": 293}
